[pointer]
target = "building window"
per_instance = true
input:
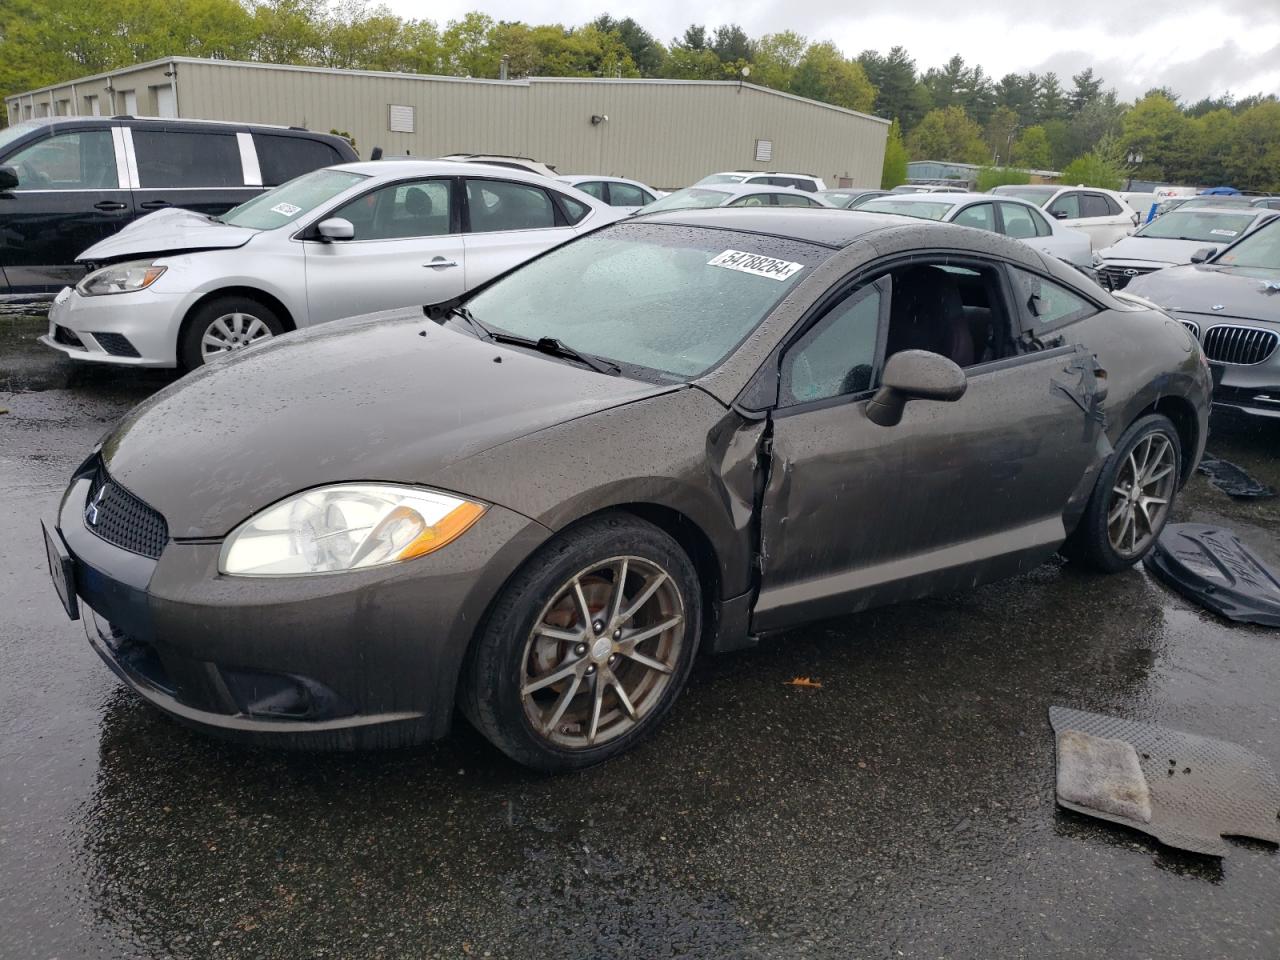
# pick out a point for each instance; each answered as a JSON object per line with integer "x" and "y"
{"x": 92, "y": 106}
{"x": 764, "y": 151}
{"x": 400, "y": 119}
{"x": 130, "y": 102}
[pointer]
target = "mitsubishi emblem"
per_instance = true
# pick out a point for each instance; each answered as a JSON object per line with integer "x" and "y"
{"x": 1131, "y": 272}
{"x": 1218, "y": 306}
{"x": 92, "y": 507}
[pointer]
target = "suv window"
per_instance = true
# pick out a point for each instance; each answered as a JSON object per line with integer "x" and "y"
{"x": 1095, "y": 205}
{"x": 627, "y": 195}
{"x": 181, "y": 158}
{"x": 980, "y": 215}
{"x": 837, "y": 355}
{"x": 399, "y": 210}
{"x": 505, "y": 205}
{"x": 1048, "y": 305}
{"x": 1066, "y": 206}
{"x": 282, "y": 158}
{"x": 84, "y": 160}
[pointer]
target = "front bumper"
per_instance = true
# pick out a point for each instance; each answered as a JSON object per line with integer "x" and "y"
{"x": 138, "y": 329}
{"x": 340, "y": 661}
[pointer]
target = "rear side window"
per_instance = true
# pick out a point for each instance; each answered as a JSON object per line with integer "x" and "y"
{"x": 179, "y": 158}
{"x": 85, "y": 160}
{"x": 1022, "y": 223}
{"x": 627, "y": 195}
{"x": 1046, "y": 305}
{"x": 980, "y": 215}
{"x": 1095, "y": 205}
{"x": 574, "y": 210}
{"x": 505, "y": 205}
{"x": 282, "y": 158}
{"x": 792, "y": 200}
{"x": 592, "y": 188}
{"x": 752, "y": 200}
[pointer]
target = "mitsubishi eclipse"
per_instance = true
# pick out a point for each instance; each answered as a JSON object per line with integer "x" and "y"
{"x": 680, "y": 433}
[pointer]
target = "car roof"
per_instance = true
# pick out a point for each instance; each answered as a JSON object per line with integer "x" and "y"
{"x": 762, "y": 173}
{"x": 408, "y": 167}
{"x": 745, "y": 189}
{"x": 584, "y": 177}
{"x": 251, "y": 125}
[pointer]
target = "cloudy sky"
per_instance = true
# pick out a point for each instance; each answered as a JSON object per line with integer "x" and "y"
{"x": 1196, "y": 48}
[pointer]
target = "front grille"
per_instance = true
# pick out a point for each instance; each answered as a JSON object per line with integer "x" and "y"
{"x": 118, "y": 517}
{"x": 1192, "y": 326}
{"x": 116, "y": 344}
{"x": 1117, "y": 278}
{"x": 1239, "y": 345}
{"x": 66, "y": 337}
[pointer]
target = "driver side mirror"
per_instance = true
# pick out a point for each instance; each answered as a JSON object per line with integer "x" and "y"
{"x": 1203, "y": 254}
{"x": 1060, "y": 214}
{"x": 8, "y": 178}
{"x": 336, "y": 228}
{"x": 914, "y": 375}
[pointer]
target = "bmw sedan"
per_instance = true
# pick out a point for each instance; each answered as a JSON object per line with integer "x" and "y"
{"x": 680, "y": 433}
{"x": 1230, "y": 301}
{"x": 178, "y": 288}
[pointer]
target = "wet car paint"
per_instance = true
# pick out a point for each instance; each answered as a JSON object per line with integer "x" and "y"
{"x": 907, "y": 806}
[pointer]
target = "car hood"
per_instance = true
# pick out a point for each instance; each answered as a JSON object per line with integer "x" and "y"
{"x": 1214, "y": 290}
{"x": 389, "y": 397}
{"x": 168, "y": 231}
{"x": 1153, "y": 250}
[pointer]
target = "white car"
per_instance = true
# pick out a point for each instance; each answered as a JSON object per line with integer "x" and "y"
{"x": 736, "y": 195}
{"x": 1177, "y": 237}
{"x": 627, "y": 195}
{"x": 1102, "y": 214}
{"x": 910, "y": 188}
{"x": 177, "y": 288}
{"x": 1007, "y": 215}
{"x": 762, "y": 178}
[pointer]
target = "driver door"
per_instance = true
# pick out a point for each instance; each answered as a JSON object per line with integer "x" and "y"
{"x": 855, "y": 514}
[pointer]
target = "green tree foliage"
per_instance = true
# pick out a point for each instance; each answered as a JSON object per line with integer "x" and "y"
{"x": 1031, "y": 149}
{"x": 646, "y": 52}
{"x": 899, "y": 95}
{"x": 824, "y": 74}
{"x": 895, "y": 159}
{"x": 999, "y": 133}
{"x": 1093, "y": 170}
{"x": 777, "y": 57}
{"x": 948, "y": 135}
{"x": 989, "y": 177}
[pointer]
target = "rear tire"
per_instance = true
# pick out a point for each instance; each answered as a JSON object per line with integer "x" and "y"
{"x": 223, "y": 325}
{"x": 557, "y": 687}
{"x": 1132, "y": 498}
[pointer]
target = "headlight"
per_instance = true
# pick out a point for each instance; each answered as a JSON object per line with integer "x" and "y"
{"x": 345, "y": 527}
{"x": 120, "y": 278}
{"x": 1097, "y": 259}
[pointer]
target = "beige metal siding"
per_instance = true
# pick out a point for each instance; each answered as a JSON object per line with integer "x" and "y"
{"x": 668, "y": 134}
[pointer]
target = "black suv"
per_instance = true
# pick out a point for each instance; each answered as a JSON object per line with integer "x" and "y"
{"x": 68, "y": 182}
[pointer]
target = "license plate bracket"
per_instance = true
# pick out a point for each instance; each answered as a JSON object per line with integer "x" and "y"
{"x": 62, "y": 570}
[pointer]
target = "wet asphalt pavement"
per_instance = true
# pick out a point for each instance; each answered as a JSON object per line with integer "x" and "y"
{"x": 904, "y": 809}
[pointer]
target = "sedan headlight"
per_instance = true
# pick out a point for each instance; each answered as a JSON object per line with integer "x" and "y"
{"x": 120, "y": 278}
{"x": 345, "y": 527}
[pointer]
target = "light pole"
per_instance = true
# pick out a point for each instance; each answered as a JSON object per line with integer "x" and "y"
{"x": 1133, "y": 158}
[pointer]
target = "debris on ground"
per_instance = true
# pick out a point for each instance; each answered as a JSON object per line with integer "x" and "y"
{"x": 1212, "y": 567}
{"x": 805, "y": 682}
{"x": 1233, "y": 480}
{"x": 1185, "y": 790}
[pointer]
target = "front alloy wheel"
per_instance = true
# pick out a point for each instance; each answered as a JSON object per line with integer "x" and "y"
{"x": 1141, "y": 495}
{"x": 587, "y": 647}
{"x": 232, "y": 331}
{"x": 602, "y": 653}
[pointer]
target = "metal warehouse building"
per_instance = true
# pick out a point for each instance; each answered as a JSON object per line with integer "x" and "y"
{"x": 668, "y": 133}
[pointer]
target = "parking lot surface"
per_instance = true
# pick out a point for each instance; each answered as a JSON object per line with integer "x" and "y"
{"x": 904, "y": 808}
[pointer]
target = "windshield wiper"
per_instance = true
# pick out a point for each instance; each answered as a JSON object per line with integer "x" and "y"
{"x": 558, "y": 348}
{"x": 458, "y": 310}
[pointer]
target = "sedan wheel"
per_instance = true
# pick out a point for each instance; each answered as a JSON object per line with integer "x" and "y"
{"x": 232, "y": 331}
{"x": 603, "y": 652}
{"x": 1132, "y": 498}
{"x": 1140, "y": 498}
{"x": 587, "y": 647}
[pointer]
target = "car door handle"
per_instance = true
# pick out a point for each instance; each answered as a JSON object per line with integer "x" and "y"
{"x": 441, "y": 262}
{"x": 110, "y": 205}
{"x": 155, "y": 204}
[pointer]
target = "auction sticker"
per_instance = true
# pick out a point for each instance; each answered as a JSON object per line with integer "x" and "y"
{"x": 755, "y": 263}
{"x": 1224, "y": 233}
{"x": 286, "y": 209}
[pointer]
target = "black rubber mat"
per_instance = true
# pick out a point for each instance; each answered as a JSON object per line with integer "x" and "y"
{"x": 1211, "y": 567}
{"x": 1200, "y": 789}
{"x": 1232, "y": 480}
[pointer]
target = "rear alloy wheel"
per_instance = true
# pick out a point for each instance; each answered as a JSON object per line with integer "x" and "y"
{"x": 1132, "y": 499}
{"x": 588, "y": 647}
{"x": 225, "y": 325}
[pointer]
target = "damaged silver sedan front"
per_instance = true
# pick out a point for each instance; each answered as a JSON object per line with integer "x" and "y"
{"x": 678, "y": 433}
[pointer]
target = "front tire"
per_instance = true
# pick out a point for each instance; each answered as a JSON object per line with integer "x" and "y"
{"x": 223, "y": 325}
{"x": 587, "y": 647}
{"x": 1132, "y": 499}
